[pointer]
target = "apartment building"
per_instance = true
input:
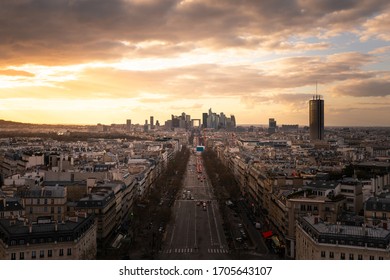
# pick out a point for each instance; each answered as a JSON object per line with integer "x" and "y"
{"x": 288, "y": 204}
{"x": 45, "y": 203}
{"x": 352, "y": 189}
{"x": 101, "y": 203}
{"x": 74, "y": 239}
{"x": 11, "y": 208}
{"x": 377, "y": 211}
{"x": 319, "y": 240}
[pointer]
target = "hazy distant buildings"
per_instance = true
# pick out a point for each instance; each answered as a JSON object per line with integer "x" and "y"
{"x": 289, "y": 128}
{"x": 151, "y": 122}
{"x": 316, "y": 118}
{"x": 204, "y": 120}
{"x": 272, "y": 125}
{"x": 128, "y": 124}
{"x": 213, "y": 120}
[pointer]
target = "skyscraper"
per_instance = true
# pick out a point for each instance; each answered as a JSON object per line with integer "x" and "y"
{"x": 204, "y": 119}
{"x": 272, "y": 125}
{"x": 316, "y": 118}
{"x": 151, "y": 122}
{"x": 128, "y": 124}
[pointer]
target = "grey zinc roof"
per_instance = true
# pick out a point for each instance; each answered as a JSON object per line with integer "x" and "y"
{"x": 10, "y": 205}
{"x": 378, "y": 204}
{"x": 334, "y": 229}
{"x": 323, "y": 184}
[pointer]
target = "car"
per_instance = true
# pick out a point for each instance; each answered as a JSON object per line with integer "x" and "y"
{"x": 239, "y": 239}
{"x": 198, "y": 203}
{"x": 240, "y": 225}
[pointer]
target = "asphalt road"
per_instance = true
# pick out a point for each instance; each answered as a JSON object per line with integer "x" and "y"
{"x": 195, "y": 232}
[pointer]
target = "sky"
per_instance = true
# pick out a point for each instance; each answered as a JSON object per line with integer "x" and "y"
{"x": 99, "y": 61}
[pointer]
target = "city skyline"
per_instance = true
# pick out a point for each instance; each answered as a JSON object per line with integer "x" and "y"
{"x": 94, "y": 61}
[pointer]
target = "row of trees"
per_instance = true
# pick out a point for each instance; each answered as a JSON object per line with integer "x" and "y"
{"x": 221, "y": 177}
{"x": 151, "y": 216}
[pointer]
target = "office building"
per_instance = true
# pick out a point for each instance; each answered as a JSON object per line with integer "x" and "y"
{"x": 316, "y": 118}
{"x": 271, "y": 126}
{"x": 151, "y": 122}
{"x": 128, "y": 124}
{"x": 204, "y": 120}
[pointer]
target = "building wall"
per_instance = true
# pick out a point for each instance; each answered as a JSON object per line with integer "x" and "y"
{"x": 82, "y": 248}
{"x": 309, "y": 249}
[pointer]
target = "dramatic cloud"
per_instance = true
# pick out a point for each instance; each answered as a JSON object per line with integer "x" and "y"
{"x": 377, "y": 27}
{"x": 374, "y": 87}
{"x": 145, "y": 56}
{"x": 63, "y": 31}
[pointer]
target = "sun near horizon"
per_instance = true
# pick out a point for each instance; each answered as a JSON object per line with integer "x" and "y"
{"x": 94, "y": 61}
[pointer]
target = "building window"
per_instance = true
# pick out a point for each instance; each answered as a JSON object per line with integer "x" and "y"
{"x": 322, "y": 254}
{"x": 13, "y": 256}
{"x": 49, "y": 253}
{"x": 21, "y": 255}
{"x": 45, "y": 209}
{"x": 45, "y": 201}
{"x": 351, "y": 256}
{"x": 308, "y": 207}
{"x": 331, "y": 255}
{"x": 384, "y": 216}
{"x": 33, "y": 254}
{"x": 31, "y": 210}
{"x": 342, "y": 256}
{"x": 38, "y": 201}
{"x": 360, "y": 257}
{"x": 69, "y": 252}
{"x": 303, "y": 207}
{"x": 61, "y": 252}
{"x": 41, "y": 254}
{"x": 372, "y": 258}
{"x": 59, "y": 210}
{"x": 52, "y": 210}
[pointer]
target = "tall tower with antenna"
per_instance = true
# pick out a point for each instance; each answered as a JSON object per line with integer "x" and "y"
{"x": 316, "y": 117}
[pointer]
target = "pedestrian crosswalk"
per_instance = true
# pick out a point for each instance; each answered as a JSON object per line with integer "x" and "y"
{"x": 217, "y": 251}
{"x": 192, "y": 250}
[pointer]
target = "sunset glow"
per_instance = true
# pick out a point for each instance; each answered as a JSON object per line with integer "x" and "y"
{"x": 98, "y": 61}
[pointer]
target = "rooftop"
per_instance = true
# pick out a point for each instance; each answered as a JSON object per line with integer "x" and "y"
{"x": 17, "y": 230}
{"x": 343, "y": 234}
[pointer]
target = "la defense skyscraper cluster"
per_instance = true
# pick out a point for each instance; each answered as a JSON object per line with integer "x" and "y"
{"x": 316, "y": 118}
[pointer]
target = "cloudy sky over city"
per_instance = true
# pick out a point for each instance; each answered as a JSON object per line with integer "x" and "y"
{"x": 99, "y": 61}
